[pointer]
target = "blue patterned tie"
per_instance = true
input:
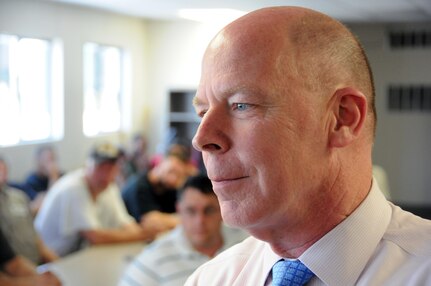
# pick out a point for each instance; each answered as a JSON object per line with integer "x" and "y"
{"x": 290, "y": 273}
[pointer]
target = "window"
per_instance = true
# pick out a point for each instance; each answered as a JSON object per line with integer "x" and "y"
{"x": 103, "y": 89}
{"x": 31, "y": 90}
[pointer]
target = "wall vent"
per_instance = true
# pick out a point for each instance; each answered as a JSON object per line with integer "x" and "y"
{"x": 409, "y": 39}
{"x": 409, "y": 98}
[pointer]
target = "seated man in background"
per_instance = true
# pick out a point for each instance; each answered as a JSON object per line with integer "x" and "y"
{"x": 16, "y": 222}
{"x": 150, "y": 198}
{"x": 135, "y": 161}
{"x": 182, "y": 149}
{"x": 18, "y": 271}
{"x": 200, "y": 236}
{"x": 85, "y": 207}
{"x": 47, "y": 172}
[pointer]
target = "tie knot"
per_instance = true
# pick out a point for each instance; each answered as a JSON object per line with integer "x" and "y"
{"x": 290, "y": 273}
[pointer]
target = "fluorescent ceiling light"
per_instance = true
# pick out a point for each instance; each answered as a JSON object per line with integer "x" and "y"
{"x": 211, "y": 15}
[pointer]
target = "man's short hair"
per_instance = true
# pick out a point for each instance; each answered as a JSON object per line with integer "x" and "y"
{"x": 200, "y": 182}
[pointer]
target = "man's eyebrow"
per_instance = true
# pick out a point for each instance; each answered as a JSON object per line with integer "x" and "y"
{"x": 196, "y": 102}
{"x": 250, "y": 91}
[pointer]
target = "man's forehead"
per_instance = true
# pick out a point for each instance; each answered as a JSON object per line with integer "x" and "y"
{"x": 250, "y": 90}
{"x": 106, "y": 165}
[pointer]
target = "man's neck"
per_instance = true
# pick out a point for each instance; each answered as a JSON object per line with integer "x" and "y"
{"x": 94, "y": 192}
{"x": 212, "y": 249}
{"x": 291, "y": 241}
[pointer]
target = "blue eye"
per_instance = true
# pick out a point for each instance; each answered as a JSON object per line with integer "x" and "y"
{"x": 241, "y": 106}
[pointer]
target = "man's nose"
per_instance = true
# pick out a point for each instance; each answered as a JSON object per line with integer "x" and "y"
{"x": 211, "y": 135}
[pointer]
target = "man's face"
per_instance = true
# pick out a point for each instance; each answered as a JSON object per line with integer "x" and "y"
{"x": 200, "y": 217}
{"x": 47, "y": 162}
{"x": 103, "y": 174}
{"x": 261, "y": 136}
{"x": 172, "y": 173}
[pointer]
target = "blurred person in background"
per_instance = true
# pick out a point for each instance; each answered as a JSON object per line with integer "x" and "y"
{"x": 201, "y": 235}
{"x": 16, "y": 222}
{"x": 135, "y": 160}
{"x": 47, "y": 170}
{"x": 150, "y": 198}
{"x": 182, "y": 149}
{"x": 16, "y": 270}
{"x": 46, "y": 173}
{"x": 85, "y": 207}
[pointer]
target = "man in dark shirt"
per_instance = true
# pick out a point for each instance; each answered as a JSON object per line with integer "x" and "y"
{"x": 150, "y": 198}
{"x": 46, "y": 173}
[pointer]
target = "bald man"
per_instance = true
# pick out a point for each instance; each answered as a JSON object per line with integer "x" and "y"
{"x": 286, "y": 99}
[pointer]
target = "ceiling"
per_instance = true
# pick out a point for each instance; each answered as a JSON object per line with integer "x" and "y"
{"x": 344, "y": 10}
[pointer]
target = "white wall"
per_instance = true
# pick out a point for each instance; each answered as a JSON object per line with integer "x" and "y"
{"x": 403, "y": 139}
{"x": 75, "y": 26}
{"x": 175, "y": 52}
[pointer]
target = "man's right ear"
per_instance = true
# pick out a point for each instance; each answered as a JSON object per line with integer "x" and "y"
{"x": 349, "y": 109}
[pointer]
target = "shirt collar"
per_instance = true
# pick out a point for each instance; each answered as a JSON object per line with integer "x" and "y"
{"x": 339, "y": 257}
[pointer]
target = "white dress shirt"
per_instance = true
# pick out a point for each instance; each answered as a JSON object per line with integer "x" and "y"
{"x": 378, "y": 244}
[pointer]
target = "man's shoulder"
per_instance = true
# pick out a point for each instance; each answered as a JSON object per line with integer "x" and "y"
{"x": 32, "y": 177}
{"x": 163, "y": 262}
{"x": 36, "y": 180}
{"x": 410, "y": 232}
{"x": 160, "y": 249}
{"x": 69, "y": 188}
{"x": 16, "y": 194}
{"x": 69, "y": 182}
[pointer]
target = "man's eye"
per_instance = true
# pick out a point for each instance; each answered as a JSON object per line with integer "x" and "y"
{"x": 241, "y": 106}
{"x": 201, "y": 113}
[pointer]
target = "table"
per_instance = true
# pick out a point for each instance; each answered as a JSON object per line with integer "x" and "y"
{"x": 100, "y": 265}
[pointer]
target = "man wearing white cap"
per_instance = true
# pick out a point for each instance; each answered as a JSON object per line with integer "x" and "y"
{"x": 85, "y": 207}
